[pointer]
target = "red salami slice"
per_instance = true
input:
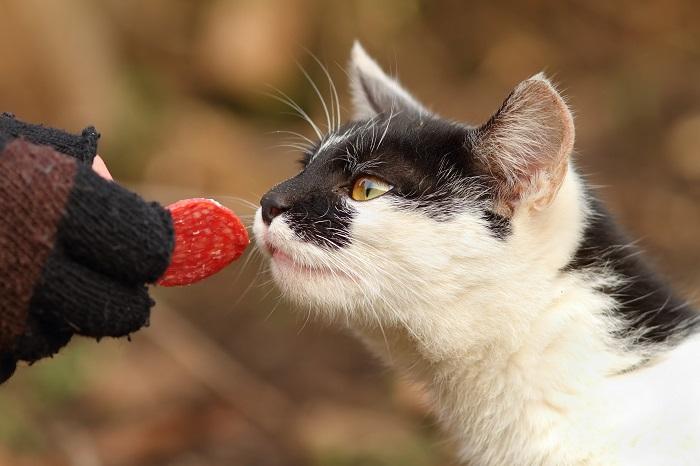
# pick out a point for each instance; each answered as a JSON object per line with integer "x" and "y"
{"x": 208, "y": 237}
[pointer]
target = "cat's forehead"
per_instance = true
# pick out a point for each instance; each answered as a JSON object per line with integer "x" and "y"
{"x": 390, "y": 140}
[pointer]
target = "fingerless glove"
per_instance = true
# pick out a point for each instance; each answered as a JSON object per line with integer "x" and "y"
{"x": 76, "y": 250}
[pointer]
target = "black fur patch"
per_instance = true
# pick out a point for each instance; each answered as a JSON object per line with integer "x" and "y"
{"x": 316, "y": 211}
{"x": 427, "y": 160}
{"x": 648, "y": 306}
{"x": 499, "y": 225}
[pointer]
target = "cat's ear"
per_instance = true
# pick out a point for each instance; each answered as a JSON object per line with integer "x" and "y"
{"x": 525, "y": 147}
{"x": 374, "y": 92}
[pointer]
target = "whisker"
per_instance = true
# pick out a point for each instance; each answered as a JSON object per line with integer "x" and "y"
{"x": 334, "y": 90}
{"x": 247, "y": 289}
{"x": 285, "y": 99}
{"x": 296, "y": 147}
{"x": 274, "y": 308}
{"x": 318, "y": 93}
{"x": 386, "y": 129}
{"x": 243, "y": 201}
{"x": 293, "y": 133}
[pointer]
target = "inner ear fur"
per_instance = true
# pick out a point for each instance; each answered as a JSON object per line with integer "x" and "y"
{"x": 374, "y": 92}
{"x": 524, "y": 147}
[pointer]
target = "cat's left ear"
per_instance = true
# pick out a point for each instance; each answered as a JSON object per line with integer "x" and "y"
{"x": 374, "y": 92}
{"x": 524, "y": 148}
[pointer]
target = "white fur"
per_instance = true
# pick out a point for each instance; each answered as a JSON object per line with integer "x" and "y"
{"x": 516, "y": 354}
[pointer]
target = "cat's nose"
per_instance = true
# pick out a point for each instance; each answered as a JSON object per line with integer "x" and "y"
{"x": 273, "y": 204}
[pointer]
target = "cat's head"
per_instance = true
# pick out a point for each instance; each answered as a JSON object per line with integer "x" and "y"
{"x": 400, "y": 212}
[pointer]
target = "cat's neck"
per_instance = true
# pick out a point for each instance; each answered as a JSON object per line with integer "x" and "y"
{"x": 509, "y": 396}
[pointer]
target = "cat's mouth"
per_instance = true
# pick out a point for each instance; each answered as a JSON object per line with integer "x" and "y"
{"x": 286, "y": 262}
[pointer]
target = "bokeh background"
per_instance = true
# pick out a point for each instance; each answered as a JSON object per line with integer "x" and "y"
{"x": 228, "y": 374}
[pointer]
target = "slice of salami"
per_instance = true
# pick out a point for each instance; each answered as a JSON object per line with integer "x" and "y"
{"x": 208, "y": 237}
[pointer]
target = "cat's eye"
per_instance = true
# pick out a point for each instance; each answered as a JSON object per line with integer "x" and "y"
{"x": 367, "y": 188}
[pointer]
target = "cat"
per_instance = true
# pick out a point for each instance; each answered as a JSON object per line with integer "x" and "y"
{"x": 476, "y": 262}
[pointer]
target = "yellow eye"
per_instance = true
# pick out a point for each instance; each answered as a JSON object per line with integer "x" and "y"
{"x": 369, "y": 187}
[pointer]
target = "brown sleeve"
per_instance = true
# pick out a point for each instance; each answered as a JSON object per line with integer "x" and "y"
{"x": 35, "y": 182}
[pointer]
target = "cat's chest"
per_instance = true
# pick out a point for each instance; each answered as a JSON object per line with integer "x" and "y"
{"x": 646, "y": 417}
{"x": 658, "y": 410}
{"x": 649, "y": 416}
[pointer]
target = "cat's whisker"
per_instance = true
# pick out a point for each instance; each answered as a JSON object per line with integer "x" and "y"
{"x": 267, "y": 294}
{"x": 241, "y": 200}
{"x": 285, "y": 99}
{"x": 306, "y": 321}
{"x": 254, "y": 282}
{"x": 334, "y": 91}
{"x": 386, "y": 129}
{"x": 329, "y": 123}
{"x": 294, "y": 133}
{"x": 295, "y": 147}
{"x": 274, "y": 308}
{"x": 297, "y": 140}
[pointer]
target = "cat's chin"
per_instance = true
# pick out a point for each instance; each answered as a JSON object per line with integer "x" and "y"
{"x": 282, "y": 261}
{"x": 318, "y": 286}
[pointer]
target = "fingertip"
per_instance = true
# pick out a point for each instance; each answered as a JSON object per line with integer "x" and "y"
{"x": 101, "y": 168}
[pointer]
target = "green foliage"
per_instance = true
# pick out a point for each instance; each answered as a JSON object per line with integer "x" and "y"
{"x": 39, "y": 393}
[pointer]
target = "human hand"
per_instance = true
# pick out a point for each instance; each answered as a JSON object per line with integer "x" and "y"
{"x": 76, "y": 250}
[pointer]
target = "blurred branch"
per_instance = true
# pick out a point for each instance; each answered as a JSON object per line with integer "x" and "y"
{"x": 77, "y": 444}
{"x": 207, "y": 363}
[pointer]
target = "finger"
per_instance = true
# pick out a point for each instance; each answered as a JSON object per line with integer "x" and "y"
{"x": 75, "y": 297}
{"x": 114, "y": 231}
{"x": 101, "y": 169}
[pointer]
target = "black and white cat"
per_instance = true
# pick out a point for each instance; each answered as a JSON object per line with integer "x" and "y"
{"x": 476, "y": 262}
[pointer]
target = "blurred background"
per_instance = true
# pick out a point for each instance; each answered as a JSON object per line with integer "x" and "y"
{"x": 228, "y": 374}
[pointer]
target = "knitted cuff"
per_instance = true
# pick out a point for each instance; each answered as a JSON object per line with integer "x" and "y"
{"x": 82, "y": 147}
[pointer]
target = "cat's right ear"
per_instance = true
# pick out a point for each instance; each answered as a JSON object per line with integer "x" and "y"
{"x": 374, "y": 92}
{"x": 524, "y": 148}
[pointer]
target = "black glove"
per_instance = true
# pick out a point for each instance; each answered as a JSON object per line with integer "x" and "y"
{"x": 76, "y": 250}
